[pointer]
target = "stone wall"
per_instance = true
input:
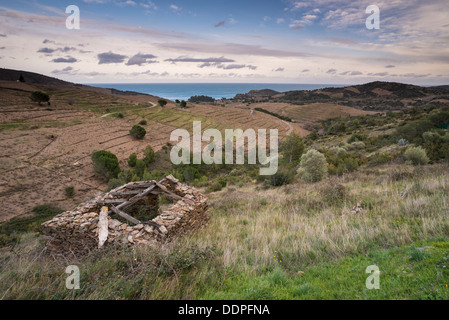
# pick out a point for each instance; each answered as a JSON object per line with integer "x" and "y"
{"x": 77, "y": 231}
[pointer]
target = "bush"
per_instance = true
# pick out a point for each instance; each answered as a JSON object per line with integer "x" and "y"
{"x": 39, "y": 97}
{"x": 402, "y": 142}
{"x": 137, "y": 132}
{"x": 280, "y": 178}
{"x": 183, "y": 104}
{"x": 69, "y": 191}
{"x": 379, "y": 159}
{"x": 148, "y": 155}
{"x": 357, "y": 145}
{"x": 333, "y": 193}
{"x": 143, "y": 122}
{"x": 162, "y": 102}
{"x": 292, "y": 149}
{"x": 105, "y": 164}
{"x": 313, "y": 166}
{"x": 356, "y": 137}
{"x": 190, "y": 174}
{"x": 416, "y": 155}
{"x": 132, "y": 160}
{"x": 120, "y": 115}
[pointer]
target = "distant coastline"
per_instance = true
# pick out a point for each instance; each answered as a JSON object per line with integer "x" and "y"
{"x": 184, "y": 91}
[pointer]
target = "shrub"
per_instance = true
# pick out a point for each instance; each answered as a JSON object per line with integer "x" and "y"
{"x": 162, "y": 102}
{"x": 183, "y": 104}
{"x": 148, "y": 155}
{"x": 69, "y": 191}
{"x": 39, "y": 97}
{"x": 379, "y": 159}
{"x": 280, "y": 178}
{"x": 143, "y": 122}
{"x": 292, "y": 149}
{"x": 333, "y": 193}
{"x": 337, "y": 150}
{"x": 132, "y": 160}
{"x": 356, "y": 137}
{"x": 416, "y": 155}
{"x": 120, "y": 115}
{"x": 313, "y": 166}
{"x": 414, "y": 130}
{"x": 190, "y": 174}
{"x": 137, "y": 132}
{"x": 402, "y": 142}
{"x": 105, "y": 164}
{"x": 357, "y": 145}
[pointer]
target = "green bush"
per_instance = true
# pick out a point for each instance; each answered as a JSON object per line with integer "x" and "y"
{"x": 137, "y": 132}
{"x": 292, "y": 149}
{"x": 162, "y": 102}
{"x": 356, "y": 137}
{"x": 190, "y": 174}
{"x": 379, "y": 159}
{"x": 132, "y": 160}
{"x": 69, "y": 191}
{"x": 143, "y": 122}
{"x": 120, "y": 115}
{"x": 416, "y": 155}
{"x": 280, "y": 178}
{"x": 148, "y": 155}
{"x": 105, "y": 164}
{"x": 313, "y": 166}
{"x": 39, "y": 97}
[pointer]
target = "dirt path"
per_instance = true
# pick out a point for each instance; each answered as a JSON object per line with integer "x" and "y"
{"x": 152, "y": 106}
{"x": 290, "y": 126}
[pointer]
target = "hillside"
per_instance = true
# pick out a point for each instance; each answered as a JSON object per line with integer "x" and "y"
{"x": 51, "y": 145}
{"x": 373, "y": 96}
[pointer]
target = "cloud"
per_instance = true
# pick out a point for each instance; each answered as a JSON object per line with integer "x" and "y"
{"x": 2, "y": 48}
{"x": 67, "y": 59}
{"x": 220, "y": 24}
{"x": 46, "y": 50}
{"x": 305, "y": 70}
{"x": 140, "y": 59}
{"x": 390, "y": 66}
{"x": 236, "y": 66}
{"x": 204, "y": 60}
{"x": 48, "y": 41}
{"x": 149, "y": 5}
{"x": 341, "y": 40}
{"x": 66, "y": 70}
{"x": 232, "y": 48}
{"x": 279, "y": 70}
{"x": 295, "y": 25}
{"x": 175, "y": 8}
{"x": 3, "y": 35}
{"x": 127, "y": 3}
{"x": 331, "y": 71}
{"x": 280, "y": 20}
{"x": 110, "y": 57}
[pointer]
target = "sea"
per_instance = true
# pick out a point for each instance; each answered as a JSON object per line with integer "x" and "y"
{"x": 183, "y": 91}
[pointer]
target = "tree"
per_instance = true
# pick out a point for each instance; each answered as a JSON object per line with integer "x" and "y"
{"x": 39, "y": 97}
{"x": 148, "y": 155}
{"x": 162, "y": 102}
{"x": 21, "y": 78}
{"x": 292, "y": 149}
{"x": 313, "y": 166}
{"x": 137, "y": 132}
{"x": 105, "y": 164}
{"x": 183, "y": 104}
{"x": 132, "y": 160}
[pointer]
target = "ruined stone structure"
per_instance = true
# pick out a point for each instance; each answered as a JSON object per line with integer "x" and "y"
{"x": 102, "y": 221}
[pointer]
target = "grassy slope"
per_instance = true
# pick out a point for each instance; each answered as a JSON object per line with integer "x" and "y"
{"x": 258, "y": 241}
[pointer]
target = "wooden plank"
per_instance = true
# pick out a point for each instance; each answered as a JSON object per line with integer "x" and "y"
{"x": 124, "y": 215}
{"x": 108, "y": 201}
{"x": 125, "y": 193}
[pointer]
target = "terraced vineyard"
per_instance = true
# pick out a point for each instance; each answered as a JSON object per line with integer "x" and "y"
{"x": 47, "y": 148}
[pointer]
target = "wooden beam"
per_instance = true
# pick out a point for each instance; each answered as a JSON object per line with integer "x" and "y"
{"x": 124, "y": 215}
{"x": 106, "y": 201}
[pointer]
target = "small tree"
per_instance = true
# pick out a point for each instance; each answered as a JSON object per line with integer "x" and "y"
{"x": 137, "y": 132}
{"x": 39, "y": 97}
{"x": 313, "y": 166}
{"x": 148, "y": 155}
{"x": 21, "y": 78}
{"x": 105, "y": 164}
{"x": 292, "y": 149}
{"x": 183, "y": 104}
{"x": 416, "y": 155}
{"x": 132, "y": 160}
{"x": 162, "y": 102}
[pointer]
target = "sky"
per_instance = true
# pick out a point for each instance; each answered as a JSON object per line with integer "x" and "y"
{"x": 244, "y": 41}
